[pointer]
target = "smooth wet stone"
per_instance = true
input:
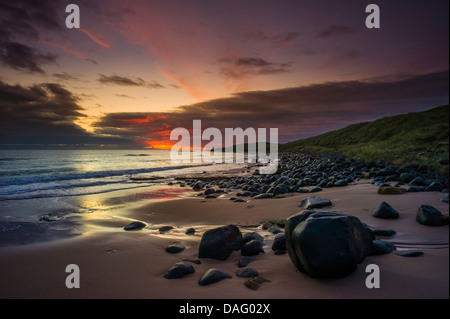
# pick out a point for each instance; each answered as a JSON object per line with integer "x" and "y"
{"x": 279, "y": 252}
{"x": 381, "y": 247}
{"x": 190, "y": 231}
{"x": 218, "y": 243}
{"x": 326, "y": 243}
{"x": 175, "y": 248}
{"x": 415, "y": 189}
{"x": 279, "y": 242}
{"x": 315, "y": 202}
{"x": 385, "y": 211}
{"x": 251, "y": 248}
{"x": 341, "y": 182}
{"x": 134, "y": 226}
{"x": 245, "y": 260}
{"x": 430, "y": 216}
{"x": 213, "y": 275}
{"x": 262, "y": 196}
{"x": 410, "y": 253}
{"x": 164, "y": 229}
{"x": 179, "y": 270}
{"x": 253, "y": 235}
{"x": 316, "y": 189}
{"x": 384, "y": 232}
{"x": 209, "y": 191}
{"x": 247, "y": 272}
{"x": 274, "y": 230}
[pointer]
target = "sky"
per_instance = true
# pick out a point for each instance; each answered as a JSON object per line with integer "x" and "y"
{"x": 135, "y": 70}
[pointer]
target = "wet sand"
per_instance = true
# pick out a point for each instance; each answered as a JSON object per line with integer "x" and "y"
{"x": 118, "y": 264}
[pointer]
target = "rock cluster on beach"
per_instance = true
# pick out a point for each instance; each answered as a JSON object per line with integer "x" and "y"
{"x": 304, "y": 173}
{"x": 320, "y": 243}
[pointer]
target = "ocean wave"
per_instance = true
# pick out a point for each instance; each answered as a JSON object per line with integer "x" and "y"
{"x": 88, "y": 175}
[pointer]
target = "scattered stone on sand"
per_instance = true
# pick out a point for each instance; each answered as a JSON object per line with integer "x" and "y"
{"x": 279, "y": 242}
{"x": 315, "y": 202}
{"x": 384, "y": 232}
{"x": 251, "y": 248}
{"x": 195, "y": 261}
{"x": 175, "y": 248}
{"x": 274, "y": 230}
{"x": 179, "y": 270}
{"x": 245, "y": 260}
{"x": 190, "y": 231}
{"x": 262, "y": 196}
{"x": 218, "y": 243}
{"x": 247, "y": 272}
{"x": 134, "y": 226}
{"x": 255, "y": 282}
{"x": 280, "y": 223}
{"x": 253, "y": 235}
{"x": 326, "y": 243}
{"x": 410, "y": 253}
{"x": 165, "y": 229}
{"x": 385, "y": 211}
{"x": 279, "y": 252}
{"x": 389, "y": 190}
{"x": 430, "y": 216}
{"x": 381, "y": 247}
{"x": 213, "y": 275}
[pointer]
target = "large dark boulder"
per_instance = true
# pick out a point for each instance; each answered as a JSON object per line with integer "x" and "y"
{"x": 219, "y": 243}
{"x": 326, "y": 243}
{"x": 430, "y": 216}
{"x": 385, "y": 211}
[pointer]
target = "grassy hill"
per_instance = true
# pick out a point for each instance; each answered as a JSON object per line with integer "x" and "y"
{"x": 408, "y": 138}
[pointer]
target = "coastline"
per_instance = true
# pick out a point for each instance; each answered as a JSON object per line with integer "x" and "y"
{"x": 118, "y": 264}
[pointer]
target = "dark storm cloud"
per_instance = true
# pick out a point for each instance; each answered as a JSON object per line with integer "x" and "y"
{"x": 298, "y": 112}
{"x": 42, "y": 114}
{"x": 240, "y": 67}
{"x": 128, "y": 81}
{"x": 20, "y": 22}
{"x": 22, "y": 57}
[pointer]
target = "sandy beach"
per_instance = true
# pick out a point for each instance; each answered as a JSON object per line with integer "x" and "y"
{"x": 130, "y": 264}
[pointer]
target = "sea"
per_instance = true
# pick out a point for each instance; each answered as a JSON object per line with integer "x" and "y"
{"x": 38, "y": 187}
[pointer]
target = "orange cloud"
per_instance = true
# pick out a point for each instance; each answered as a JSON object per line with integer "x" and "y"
{"x": 94, "y": 38}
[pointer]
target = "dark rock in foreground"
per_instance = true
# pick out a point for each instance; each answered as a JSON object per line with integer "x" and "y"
{"x": 430, "y": 216}
{"x": 134, "y": 226}
{"x": 326, "y": 243}
{"x": 219, "y": 243}
{"x": 179, "y": 270}
{"x": 315, "y": 202}
{"x": 195, "y": 261}
{"x": 385, "y": 211}
{"x": 213, "y": 275}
